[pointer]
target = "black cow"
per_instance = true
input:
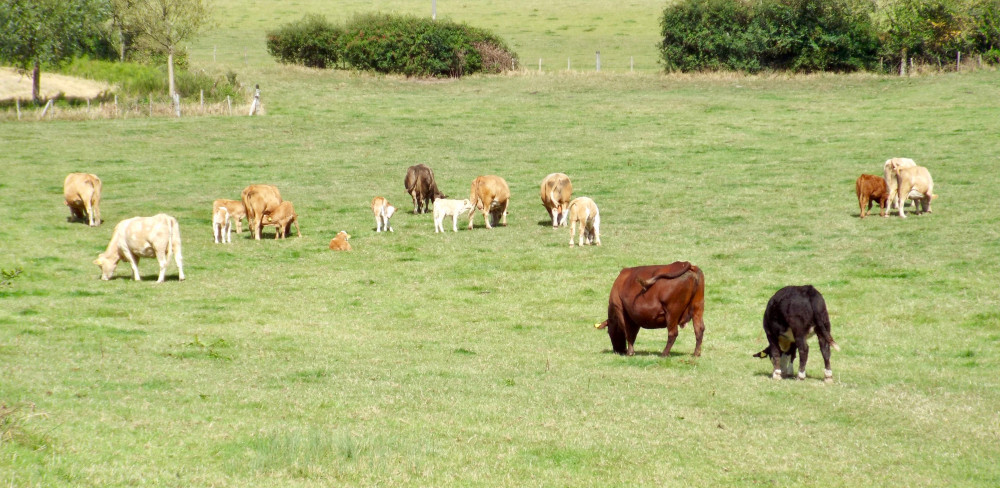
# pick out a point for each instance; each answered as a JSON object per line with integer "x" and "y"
{"x": 794, "y": 314}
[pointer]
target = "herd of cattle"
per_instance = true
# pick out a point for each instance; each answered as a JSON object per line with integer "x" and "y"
{"x": 650, "y": 297}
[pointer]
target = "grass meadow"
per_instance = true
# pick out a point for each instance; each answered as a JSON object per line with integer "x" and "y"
{"x": 470, "y": 358}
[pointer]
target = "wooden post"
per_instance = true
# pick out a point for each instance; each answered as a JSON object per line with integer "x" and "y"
{"x": 911, "y": 66}
{"x": 17, "y": 102}
{"x": 229, "y": 103}
{"x": 631, "y": 64}
{"x": 201, "y": 99}
{"x": 256, "y": 100}
{"x": 539, "y": 65}
{"x": 434, "y": 10}
{"x": 116, "y": 104}
{"x": 598, "y": 61}
{"x": 177, "y": 104}
{"x": 150, "y": 104}
{"x": 902, "y": 64}
{"x": 958, "y": 62}
{"x": 567, "y": 64}
{"x": 46, "y": 109}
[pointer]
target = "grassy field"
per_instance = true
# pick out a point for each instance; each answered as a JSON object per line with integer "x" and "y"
{"x": 470, "y": 359}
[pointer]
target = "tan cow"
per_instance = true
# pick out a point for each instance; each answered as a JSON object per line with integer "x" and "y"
{"x": 158, "y": 236}
{"x": 282, "y": 218}
{"x": 556, "y": 192}
{"x": 221, "y": 227}
{"x": 82, "y": 193}
{"x": 444, "y": 207}
{"x": 383, "y": 212}
{"x": 584, "y": 211}
{"x": 259, "y": 200}
{"x": 889, "y": 173}
{"x": 490, "y": 194}
{"x": 917, "y": 185}
{"x": 236, "y": 210}
{"x": 340, "y": 243}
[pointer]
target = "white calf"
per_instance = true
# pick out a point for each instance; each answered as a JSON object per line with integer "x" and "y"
{"x": 444, "y": 207}
{"x": 221, "y": 225}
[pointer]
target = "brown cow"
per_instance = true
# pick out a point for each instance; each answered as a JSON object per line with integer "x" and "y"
{"x": 916, "y": 184}
{"x": 654, "y": 297}
{"x": 82, "y": 193}
{"x": 556, "y": 193}
{"x": 259, "y": 200}
{"x": 490, "y": 194}
{"x": 236, "y": 211}
{"x": 871, "y": 189}
{"x": 420, "y": 184}
{"x": 340, "y": 243}
{"x": 282, "y": 218}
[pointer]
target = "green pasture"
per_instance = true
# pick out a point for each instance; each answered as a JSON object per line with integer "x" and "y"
{"x": 470, "y": 358}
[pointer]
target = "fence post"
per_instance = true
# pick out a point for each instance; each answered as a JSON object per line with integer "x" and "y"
{"x": 902, "y": 64}
{"x": 567, "y": 64}
{"x": 116, "y": 104}
{"x": 434, "y": 10}
{"x": 177, "y": 104}
{"x": 229, "y": 103}
{"x": 958, "y": 62}
{"x": 539, "y": 65}
{"x": 17, "y": 102}
{"x": 256, "y": 100}
{"x": 631, "y": 64}
{"x": 911, "y": 66}
{"x": 201, "y": 100}
{"x": 150, "y": 104}
{"x": 598, "y": 61}
{"x": 46, "y": 109}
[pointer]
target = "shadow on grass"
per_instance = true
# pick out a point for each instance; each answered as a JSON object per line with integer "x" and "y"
{"x": 673, "y": 354}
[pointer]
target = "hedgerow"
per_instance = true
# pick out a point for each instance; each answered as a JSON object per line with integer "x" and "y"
{"x": 385, "y": 43}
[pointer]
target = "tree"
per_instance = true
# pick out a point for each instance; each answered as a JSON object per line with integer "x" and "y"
{"x": 162, "y": 25}
{"x": 37, "y": 32}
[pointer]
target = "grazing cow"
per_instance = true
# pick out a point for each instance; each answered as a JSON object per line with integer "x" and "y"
{"x": 917, "y": 185}
{"x": 282, "y": 218}
{"x": 259, "y": 200}
{"x": 420, "y": 184}
{"x": 82, "y": 193}
{"x": 490, "y": 194}
{"x": 654, "y": 297}
{"x": 137, "y": 237}
{"x": 383, "y": 212}
{"x": 340, "y": 243}
{"x": 236, "y": 211}
{"x": 889, "y": 173}
{"x": 794, "y": 314}
{"x": 584, "y": 211}
{"x": 221, "y": 226}
{"x": 871, "y": 189}
{"x": 556, "y": 192}
{"x": 444, "y": 207}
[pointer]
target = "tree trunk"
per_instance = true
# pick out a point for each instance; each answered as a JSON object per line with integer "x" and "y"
{"x": 170, "y": 70}
{"x": 36, "y": 83}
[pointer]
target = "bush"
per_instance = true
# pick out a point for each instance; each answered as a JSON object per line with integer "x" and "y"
{"x": 311, "y": 41}
{"x": 799, "y": 35}
{"x": 409, "y": 45}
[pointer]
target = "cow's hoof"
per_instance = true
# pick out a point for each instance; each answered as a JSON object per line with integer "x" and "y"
{"x": 776, "y": 375}
{"x": 802, "y": 375}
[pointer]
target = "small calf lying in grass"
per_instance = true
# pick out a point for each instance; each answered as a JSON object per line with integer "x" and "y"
{"x": 340, "y": 243}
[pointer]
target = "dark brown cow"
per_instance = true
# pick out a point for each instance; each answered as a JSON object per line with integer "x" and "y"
{"x": 655, "y": 297}
{"x": 871, "y": 189}
{"x": 421, "y": 186}
{"x": 794, "y": 314}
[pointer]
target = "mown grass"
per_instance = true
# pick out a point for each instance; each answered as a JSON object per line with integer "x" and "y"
{"x": 470, "y": 359}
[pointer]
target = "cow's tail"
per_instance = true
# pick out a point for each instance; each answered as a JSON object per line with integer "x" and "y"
{"x": 171, "y": 228}
{"x": 822, "y": 319}
{"x": 645, "y": 284}
{"x": 95, "y": 201}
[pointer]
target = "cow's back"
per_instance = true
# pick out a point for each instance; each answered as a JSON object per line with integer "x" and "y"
{"x": 81, "y": 186}
{"x": 919, "y": 178}
{"x": 489, "y": 188}
{"x": 260, "y": 199}
{"x": 792, "y": 305}
{"x": 420, "y": 178}
{"x": 556, "y": 189}
{"x": 143, "y": 236}
{"x": 680, "y": 295}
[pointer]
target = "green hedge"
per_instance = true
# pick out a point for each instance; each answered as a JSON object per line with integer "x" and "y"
{"x": 824, "y": 35}
{"x": 405, "y": 44}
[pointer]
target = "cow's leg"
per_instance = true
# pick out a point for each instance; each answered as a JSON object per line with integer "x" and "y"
{"x": 228, "y": 232}
{"x": 472, "y": 214}
{"x": 178, "y": 259}
{"x": 699, "y": 329}
{"x": 824, "y": 348}
{"x": 776, "y": 358}
{"x": 164, "y": 260}
{"x": 134, "y": 262}
{"x": 488, "y": 214}
{"x": 862, "y": 200}
{"x": 671, "y": 337}
{"x": 904, "y": 189}
{"x": 413, "y": 196}
{"x": 239, "y": 225}
{"x": 631, "y": 332}
{"x": 803, "y": 347}
{"x": 216, "y": 231}
{"x": 454, "y": 223}
{"x": 503, "y": 214}
{"x": 555, "y": 217}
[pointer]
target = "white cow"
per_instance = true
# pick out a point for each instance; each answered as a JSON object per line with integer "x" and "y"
{"x": 221, "y": 226}
{"x": 889, "y": 173}
{"x": 137, "y": 237}
{"x": 584, "y": 211}
{"x": 444, "y": 207}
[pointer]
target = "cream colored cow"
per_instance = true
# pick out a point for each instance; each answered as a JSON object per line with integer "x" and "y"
{"x": 158, "y": 236}
{"x": 889, "y": 173}
{"x": 584, "y": 211}
{"x": 221, "y": 226}
{"x": 82, "y": 194}
{"x": 917, "y": 185}
{"x": 444, "y": 207}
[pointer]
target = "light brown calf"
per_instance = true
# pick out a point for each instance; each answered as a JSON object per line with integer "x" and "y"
{"x": 340, "y": 243}
{"x": 82, "y": 194}
{"x": 383, "y": 212}
{"x": 282, "y": 218}
{"x": 236, "y": 211}
{"x": 584, "y": 211}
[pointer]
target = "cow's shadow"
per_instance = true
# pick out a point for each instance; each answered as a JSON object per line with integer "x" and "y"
{"x": 145, "y": 277}
{"x": 673, "y": 354}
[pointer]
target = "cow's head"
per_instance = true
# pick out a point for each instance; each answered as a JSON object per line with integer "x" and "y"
{"x": 107, "y": 266}
{"x": 438, "y": 194}
{"x": 343, "y": 235}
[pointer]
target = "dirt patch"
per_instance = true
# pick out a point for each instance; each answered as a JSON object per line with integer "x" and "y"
{"x": 14, "y": 85}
